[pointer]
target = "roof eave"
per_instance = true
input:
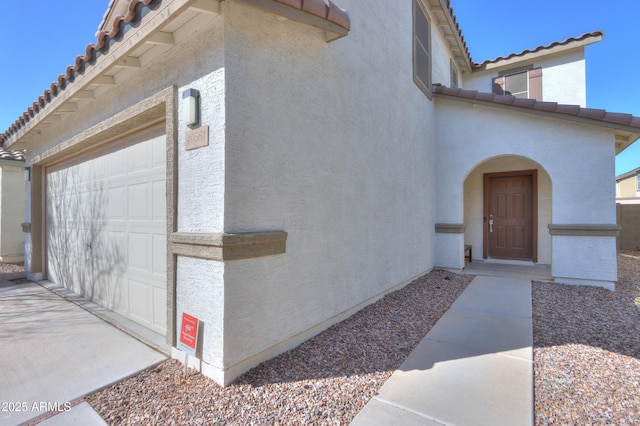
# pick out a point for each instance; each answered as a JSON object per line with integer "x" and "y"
{"x": 453, "y": 33}
{"x": 318, "y": 13}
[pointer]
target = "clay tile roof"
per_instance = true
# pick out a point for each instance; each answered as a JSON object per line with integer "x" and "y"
{"x": 585, "y": 36}
{"x": 324, "y": 9}
{"x": 567, "y": 109}
{"x": 79, "y": 64}
{"x": 546, "y": 106}
{"x": 12, "y": 155}
{"x": 610, "y": 119}
{"x": 618, "y": 118}
{"x": 595, "y": 114}
{"x": 459, "y": 31}
{"x": 524, "y": 103}
{"x": 484, "y": 96}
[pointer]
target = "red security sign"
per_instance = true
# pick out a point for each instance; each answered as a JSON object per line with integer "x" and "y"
{"x": 189, "y": 333}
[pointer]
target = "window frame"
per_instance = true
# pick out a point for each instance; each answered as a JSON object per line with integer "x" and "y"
{"x": 454, "y": 75}
{"x": 533, "y": 78}
{"x": 419, "y": 45}
{"x": 512, "y": 76}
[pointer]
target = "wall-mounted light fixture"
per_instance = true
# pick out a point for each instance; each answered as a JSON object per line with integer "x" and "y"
{"x": 27, "y": 174}
{"x": 191, "y": 107}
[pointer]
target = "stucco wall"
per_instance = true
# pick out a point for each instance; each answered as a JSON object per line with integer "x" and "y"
{"x": 331, "y": 143}
{"x": 563, "y": 77}
{"x": 440, "y": 57}
{"x": 12, "y": 205}
{"x": 201, "y": 293}
{"x": 628, "y": 187}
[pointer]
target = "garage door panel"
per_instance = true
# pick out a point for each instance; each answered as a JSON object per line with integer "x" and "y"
{"x": 106, "y": 229}
{"x": 116, "y": 202}
{"x": 160, "y": 315}
{"x": 141, "y": 302}
{"x": 139, "y": 250}
{"x": 117, "y": 164}
{"x": 138, "y": 201}
{"x": 140, "y": 156}
{"x": 159, "y": 254}
{"x": 159, "y": 194}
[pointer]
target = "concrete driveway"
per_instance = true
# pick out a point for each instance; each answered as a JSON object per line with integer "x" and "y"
{"x": 53, "y": 352}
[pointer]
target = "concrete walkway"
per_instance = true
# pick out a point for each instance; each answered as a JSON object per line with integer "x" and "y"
{"x": 475, "y": 366}
{"x": 53, "y": 352}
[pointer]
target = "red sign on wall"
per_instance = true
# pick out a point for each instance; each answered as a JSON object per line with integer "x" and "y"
{"x": 189, "y": 334}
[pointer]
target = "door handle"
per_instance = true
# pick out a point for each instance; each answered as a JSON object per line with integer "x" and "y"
{"x": 490, "y": 225}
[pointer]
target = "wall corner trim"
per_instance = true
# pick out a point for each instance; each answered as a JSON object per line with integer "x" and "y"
{"x": 228, "y": 246}
{"x": 450, "y": 228}
{"x": 585, "y": 230}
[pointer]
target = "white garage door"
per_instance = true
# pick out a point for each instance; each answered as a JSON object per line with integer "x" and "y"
{"x": 106, "y": 227}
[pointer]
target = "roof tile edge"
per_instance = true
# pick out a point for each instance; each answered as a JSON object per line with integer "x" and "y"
{"x": 324, "y": 9}
{"x": 81, "y": 61}
{"x": 570, "y": 40}
{"x": 592, "y": 114}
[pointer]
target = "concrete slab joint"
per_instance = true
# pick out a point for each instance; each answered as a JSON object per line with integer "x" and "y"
{"x": 225, "y": 247}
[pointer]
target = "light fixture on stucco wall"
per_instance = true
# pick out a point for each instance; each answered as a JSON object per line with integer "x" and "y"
{"x": 191, "y": 107}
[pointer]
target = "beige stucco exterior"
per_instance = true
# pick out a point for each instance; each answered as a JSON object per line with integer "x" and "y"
{"x": 12, "y": 202}
{"x": 327, "y": 178}
{"x": 628, "y": 187}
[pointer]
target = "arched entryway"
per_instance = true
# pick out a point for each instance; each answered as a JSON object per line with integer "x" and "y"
{"x": 507, "y": 209}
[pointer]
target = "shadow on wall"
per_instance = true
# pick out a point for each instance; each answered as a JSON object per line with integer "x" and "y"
{"x": 85, "y": 252}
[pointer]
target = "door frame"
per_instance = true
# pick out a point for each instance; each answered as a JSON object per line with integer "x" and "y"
{"x": 534, "y": 206}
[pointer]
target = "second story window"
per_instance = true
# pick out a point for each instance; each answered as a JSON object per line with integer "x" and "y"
{"x": 523, "y": 83}
{"x": 454, "y": 75}
{"x": 638, "y": 182}
{"x": 421, "y": 49}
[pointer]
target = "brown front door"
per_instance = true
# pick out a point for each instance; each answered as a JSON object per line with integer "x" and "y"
{"x": 509, "y": 215}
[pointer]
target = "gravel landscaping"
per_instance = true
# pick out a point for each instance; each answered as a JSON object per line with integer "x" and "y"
{"x": 327, "y": 380}
{"x": 11, "y": 268}
{"x": 587, "y": 350}
{"x": 586, "y": 362}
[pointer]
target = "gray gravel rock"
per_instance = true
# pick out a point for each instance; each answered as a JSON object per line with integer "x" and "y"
{"x": 326, "y": 380}
{"x": 587, "y": 350}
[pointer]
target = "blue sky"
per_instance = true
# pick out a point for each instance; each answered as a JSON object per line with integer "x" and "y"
{"x": 39, "y": 41}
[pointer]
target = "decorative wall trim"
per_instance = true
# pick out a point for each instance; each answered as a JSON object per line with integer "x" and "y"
{"x": 450, "y": 228}
{"x": 224, "y": 247}
{"x": 585, "y": 230}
